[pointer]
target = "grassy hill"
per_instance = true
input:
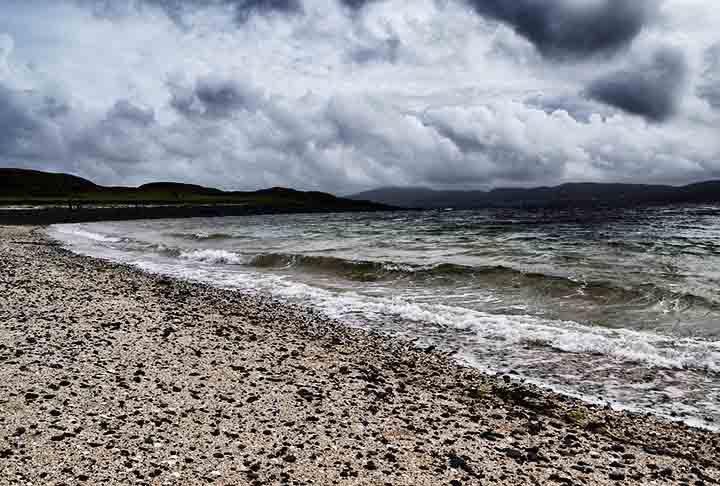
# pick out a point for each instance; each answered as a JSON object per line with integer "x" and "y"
{"x": 30, "y": 187}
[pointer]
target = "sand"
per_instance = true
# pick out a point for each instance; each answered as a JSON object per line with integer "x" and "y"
{"x": 112, "y": 376}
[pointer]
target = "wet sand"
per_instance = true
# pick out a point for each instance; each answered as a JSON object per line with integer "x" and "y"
{"x": 112, "y": 376}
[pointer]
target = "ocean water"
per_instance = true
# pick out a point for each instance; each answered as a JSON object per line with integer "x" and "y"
{"x": 618, "y": 306}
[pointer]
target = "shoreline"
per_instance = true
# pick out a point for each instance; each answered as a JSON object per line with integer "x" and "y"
{"x": 118, "y": 376}
{"x": 61, "y": 215}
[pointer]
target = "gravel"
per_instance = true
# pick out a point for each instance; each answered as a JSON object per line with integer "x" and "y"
{"x": 112, "y": 376}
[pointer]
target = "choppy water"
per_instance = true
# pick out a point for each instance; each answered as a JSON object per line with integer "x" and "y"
{"x": 619, "y": 306}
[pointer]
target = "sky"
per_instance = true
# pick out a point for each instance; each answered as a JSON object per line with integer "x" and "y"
{"x": 348, "y": 95}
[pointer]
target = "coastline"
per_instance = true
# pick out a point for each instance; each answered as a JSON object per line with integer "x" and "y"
{"x": 114, "y": 376}
{"x": 57, "y": 215}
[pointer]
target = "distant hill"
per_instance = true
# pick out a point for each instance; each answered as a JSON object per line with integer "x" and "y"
{"x": 20, "y": 186}
{"x": 179, "y": 188}
{"x": 34, "y": 183}
{"x": 563, "y": 196}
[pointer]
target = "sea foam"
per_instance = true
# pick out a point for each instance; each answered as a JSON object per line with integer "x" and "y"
{"x": 213, "y": 256}
{"x": 78, "y": 232}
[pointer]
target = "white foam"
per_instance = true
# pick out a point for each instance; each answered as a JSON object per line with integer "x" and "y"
{"x": 213, "y": 256}
{"x": 77, "y": 231}
{"x": 622, "y": 345}
{"x": 570, "y": 337}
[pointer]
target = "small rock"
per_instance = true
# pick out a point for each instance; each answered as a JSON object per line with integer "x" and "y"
{"x": 514, "y": 453}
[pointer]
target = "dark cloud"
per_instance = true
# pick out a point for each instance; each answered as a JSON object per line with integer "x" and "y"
{"x": 649, "y": 90}
{"x": 121, "y": 136}
{"x": 571, "y": 28}
{"x": 45, "y": 128}
{"x": 126, "y": 110}
{"x": 214, "y": 97}
{"x": 580, "y": 109}
{"x": 15, "y": 119}
{"x": 386, "y": 50}
{"x": 506, "y": 160}
{"x": 28, "y": 129}
{"x": 709, "y": 86}
{"x": 245, "y": 8}
{"x": 242, "y": 10}
{"x": 355, "y": 4}
{"x": 711, "y": 93}
{"x": 465, "y": 142}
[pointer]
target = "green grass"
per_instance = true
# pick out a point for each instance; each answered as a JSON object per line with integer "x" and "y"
{"x": 579, "y": 415}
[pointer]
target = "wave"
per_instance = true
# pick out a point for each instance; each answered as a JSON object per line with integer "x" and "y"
{"x": 203, "y": 236}
{"x": 480, "y": 330}
{"x": 73, "y": 231}
{"x": 607, "y": 293}
{"x": 497, "y": 331}
{"x": 492, "y": 276}
{"x": 212, "y": 256}
{"x": 569, "y": 337}
{"x": 354, "y": 269}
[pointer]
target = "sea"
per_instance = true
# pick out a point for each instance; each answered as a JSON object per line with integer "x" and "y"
{"x": 618, "y": 307}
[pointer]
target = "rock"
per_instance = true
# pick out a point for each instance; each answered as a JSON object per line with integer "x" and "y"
{"x": 533, "y": 454}
{"x": 457, "y": 462}
{"x": 513, "y": 453}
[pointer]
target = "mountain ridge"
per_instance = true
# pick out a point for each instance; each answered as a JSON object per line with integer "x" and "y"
{"x": 564, "y": 195}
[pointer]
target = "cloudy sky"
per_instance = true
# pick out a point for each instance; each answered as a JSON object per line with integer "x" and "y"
{"x": 346, "y": 95}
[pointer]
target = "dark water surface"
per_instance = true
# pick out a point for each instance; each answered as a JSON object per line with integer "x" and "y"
{"x": 620, "y": 306}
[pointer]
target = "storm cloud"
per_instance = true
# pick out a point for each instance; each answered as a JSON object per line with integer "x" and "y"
{"x": 651, "y": 90}
{"x": 572, "y": 28}
{"x": 709, "y": 86}
{"x": 177, "y": 9}
{"x": 386, "y": 50}
{"x": 355, "y": 4}
{"x": 214, "y": 97}
{"x": 29, "y": 129}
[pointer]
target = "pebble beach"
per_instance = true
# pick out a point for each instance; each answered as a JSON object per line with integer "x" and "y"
{"x": 112, "y": 376}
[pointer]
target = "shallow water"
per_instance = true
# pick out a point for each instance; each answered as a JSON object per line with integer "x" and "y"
{"x": 619, "y": 306}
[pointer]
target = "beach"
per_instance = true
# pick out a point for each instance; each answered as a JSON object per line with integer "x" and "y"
{"x": 113, "y": 376}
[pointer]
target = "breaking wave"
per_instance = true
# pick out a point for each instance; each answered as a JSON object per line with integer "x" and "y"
{"x": 212, "y": 256}
{"x": 492, "y": 276}
{"x": 72, "y": 231}
{"x": 202, "y": 236}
